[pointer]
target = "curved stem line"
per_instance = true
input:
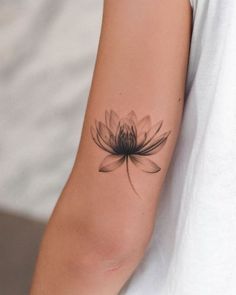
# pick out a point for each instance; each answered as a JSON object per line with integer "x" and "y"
{"x": 130, "y": 181}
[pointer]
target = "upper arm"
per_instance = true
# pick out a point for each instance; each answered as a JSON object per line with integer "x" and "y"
{"x": 106, "y": 211}
{"x": 141, "y": 67}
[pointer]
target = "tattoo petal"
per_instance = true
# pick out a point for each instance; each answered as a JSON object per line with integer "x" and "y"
{"x": 153, "y": 131}
{"x": 155, "y": 145}
{"x": 107, "y": 118}
{"x": 141, "y": 138}
{"x": 114, "y": 120}
{"x": 105, "y": 133}
{"x": 144, "y": 124}
{"x": 132, "y": 116}
{"x": 111, "y": 162}
{"x": 145, "y": 164}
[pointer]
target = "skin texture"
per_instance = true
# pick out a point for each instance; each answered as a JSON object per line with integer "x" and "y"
{"x": 100, "y": 228}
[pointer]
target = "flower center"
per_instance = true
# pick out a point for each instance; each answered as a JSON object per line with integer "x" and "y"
{"x": 126, "y": 139}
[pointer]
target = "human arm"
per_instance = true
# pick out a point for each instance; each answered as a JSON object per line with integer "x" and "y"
{"x": 103, "y": 221}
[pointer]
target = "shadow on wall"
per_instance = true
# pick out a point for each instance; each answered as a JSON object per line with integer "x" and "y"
{"x": 19, "y": 243}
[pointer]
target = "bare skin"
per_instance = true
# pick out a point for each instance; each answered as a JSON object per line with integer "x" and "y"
{"x": 104, "y": 218}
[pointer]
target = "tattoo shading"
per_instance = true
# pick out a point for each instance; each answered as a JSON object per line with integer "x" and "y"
{"x": 128, "y": 140}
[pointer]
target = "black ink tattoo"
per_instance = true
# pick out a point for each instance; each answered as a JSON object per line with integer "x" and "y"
{"x": 128, "y": 139}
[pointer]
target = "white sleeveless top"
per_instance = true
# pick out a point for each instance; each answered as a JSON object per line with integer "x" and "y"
{"x": 193, "y": 249}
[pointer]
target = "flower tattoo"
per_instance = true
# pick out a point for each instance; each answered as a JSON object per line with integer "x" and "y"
{"x": 128, "y": 139}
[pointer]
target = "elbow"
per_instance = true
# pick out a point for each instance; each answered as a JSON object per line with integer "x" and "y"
{"x": 102, "y": 250}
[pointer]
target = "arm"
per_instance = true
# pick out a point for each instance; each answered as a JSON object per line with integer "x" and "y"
{"x": 104, "y": 218}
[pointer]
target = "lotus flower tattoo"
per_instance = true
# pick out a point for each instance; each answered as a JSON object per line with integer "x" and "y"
{"x": 128, "y": 140}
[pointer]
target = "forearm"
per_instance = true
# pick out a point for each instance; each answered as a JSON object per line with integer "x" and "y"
{"x": 104, "y": 219}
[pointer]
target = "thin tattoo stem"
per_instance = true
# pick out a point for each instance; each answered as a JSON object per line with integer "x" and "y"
{"x": 130, "y": 181}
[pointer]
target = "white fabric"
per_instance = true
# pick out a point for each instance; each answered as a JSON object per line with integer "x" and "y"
{"x": 193, "y": 249}
{"x": 192, "y": 3}
{"x": 48, "y": 50}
